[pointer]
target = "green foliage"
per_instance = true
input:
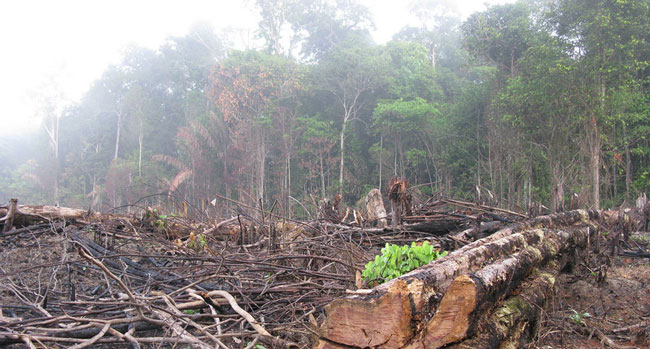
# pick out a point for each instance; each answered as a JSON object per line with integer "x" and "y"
{"x": 397, "y": 260}
{"x": 257, "y": 346}
{"x": 514, "y": 100}
{"x": 578, "y": 317}
{"x": 199, "y": 243}
{"x": 161, "y": 222}
{"x": 400, "y": 116}
{"x": 501, "y": 34}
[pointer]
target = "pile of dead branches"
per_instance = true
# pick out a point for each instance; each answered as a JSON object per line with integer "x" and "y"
{"x": 76, "y": 278}
{"x": 72, "y": 277}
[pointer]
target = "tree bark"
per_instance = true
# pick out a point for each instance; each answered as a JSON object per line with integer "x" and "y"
{"x": 140, "y": 141}
{"x": 595, "y": 166}
{"x": 387, "y": 315}
{"x": 261, "y": 165}
{"x": 516, "y": 314}
{"x": 345, "y": 122}
{"x": 375, "y": 208}
{"x": 117, "y": 135}
{"x": 322, "y": 178}
{"x": 470, "y": 296}
{"x": 9, "y": 217}
{"x": 628, "y": 163}
{"x": 28, "y": 215}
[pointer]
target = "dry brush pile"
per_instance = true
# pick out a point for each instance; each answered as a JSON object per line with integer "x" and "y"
{"x": 72, "y": 278}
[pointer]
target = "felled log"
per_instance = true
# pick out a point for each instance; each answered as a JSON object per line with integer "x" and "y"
{"x": 28, "y": 215}
{"x": 436, "y": 227}
{"x": 518, "y": 314}
{"x": 53, "y": 212}
{"x": 470, "y": 296}
{"x": 387, "y": 316}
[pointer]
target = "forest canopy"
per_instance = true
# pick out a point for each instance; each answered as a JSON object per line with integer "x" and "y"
{"x": 539, "y": 101}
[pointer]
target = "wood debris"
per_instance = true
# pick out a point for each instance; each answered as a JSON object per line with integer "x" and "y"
{"x": 72, "y": 277}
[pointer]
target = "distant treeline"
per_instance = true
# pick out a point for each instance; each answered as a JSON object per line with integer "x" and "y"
{"x": 536, "y": 101}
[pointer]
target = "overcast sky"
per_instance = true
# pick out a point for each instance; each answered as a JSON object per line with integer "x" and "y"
{"x": 69, "y": 43}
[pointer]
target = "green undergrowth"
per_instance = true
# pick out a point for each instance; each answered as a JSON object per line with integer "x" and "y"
{"x": 397, "y": 260}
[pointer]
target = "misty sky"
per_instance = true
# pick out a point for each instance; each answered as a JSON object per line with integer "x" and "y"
{"x": 65, "y": 45}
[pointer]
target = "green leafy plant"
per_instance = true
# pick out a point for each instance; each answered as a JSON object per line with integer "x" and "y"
{"x": 397, "y": 260}
{"x": 578, "y": 317}
{"x": 161, "y": 222}
{"x": 257, "y": 346}
{"x": 198, "y": 243}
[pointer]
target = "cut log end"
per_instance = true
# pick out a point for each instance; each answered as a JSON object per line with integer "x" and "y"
{"x": 451, "y": 321}
{"x": 383, "y": 321}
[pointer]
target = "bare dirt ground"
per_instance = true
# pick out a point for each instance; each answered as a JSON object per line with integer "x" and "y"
{"x": 585, "y": 313}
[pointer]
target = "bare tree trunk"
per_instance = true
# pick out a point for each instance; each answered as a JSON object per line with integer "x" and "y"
{"x": 381, "y": 150}
{"x": 557, "y": 187}
{"x": 628, "y": 163}
{"x": 595, "y": 163}
{"x": 478, "y": 159}
{"x": 433, "y": 57}
{"x": 9, "y": 218}
{"x": 345, "y": 122}
{"x": 288, "y": 183}
{"x": 117, "y": 135}
{"x": 140, "y": 140}
{"x": 530, "y": 185}
{"x": 53, "y": 133}
{"x": 400, "y": 152}
{"x": 56, "y": 164}
{"x": 322, "y": 177}
{"x": 595, "y": 147}
{"x": 261, "y": 161}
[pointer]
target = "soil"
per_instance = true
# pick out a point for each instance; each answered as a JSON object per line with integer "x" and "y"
{"x": 583, "y": 306}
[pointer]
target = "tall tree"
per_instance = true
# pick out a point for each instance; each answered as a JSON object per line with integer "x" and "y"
{"x": 351, "y": 70}
{"x": 274, "y": 24}
{"x": 500, "y": 35}
{"x": 606, "y": 38}
{"x": 249, "y": 89}
{"x": 320, "y": 25}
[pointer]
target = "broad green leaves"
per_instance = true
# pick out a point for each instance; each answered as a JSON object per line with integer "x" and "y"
{"x": 397, "y": 260}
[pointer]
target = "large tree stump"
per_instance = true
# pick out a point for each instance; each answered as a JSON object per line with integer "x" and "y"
{"x": 375, "y": 208}
{"x": 9, "y": 217}
{"x": 392, "y": 310}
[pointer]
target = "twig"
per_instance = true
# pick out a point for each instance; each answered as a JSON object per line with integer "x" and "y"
{"x": 631, "y": 327}
{"x": 92, "y": 260}
{"x": 171, "y": 305}
{"x": 233, "y": 304}
{"x": 484, "y": 207}
{"x": 94, "y": 339}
